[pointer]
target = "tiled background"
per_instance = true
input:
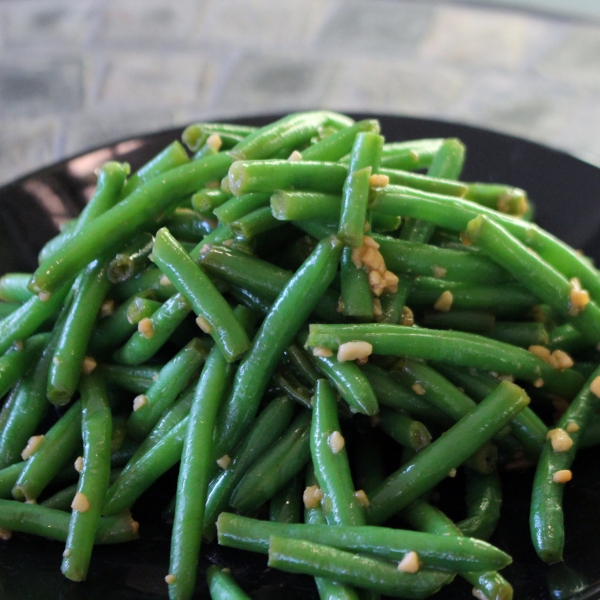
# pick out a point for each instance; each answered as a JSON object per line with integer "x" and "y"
{"x": 77, "y": 73}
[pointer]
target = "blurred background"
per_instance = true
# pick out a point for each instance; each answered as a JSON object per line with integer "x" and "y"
{"x": 75, "y": 74}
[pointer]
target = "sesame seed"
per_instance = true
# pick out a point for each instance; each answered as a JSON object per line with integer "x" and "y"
{"x": 562, "y": 476}
{"x": 295, "y": 156}
{"x": 203, "y": 324}
{"x": 78, "y": 464}
{"x": 417, "y": 388}
{"x": 170, "y": 578}
{"x": 572, "y": 427}
{"x": 139, "y": 402}
{"x": 164, "y": 280}
{"x": 214, "y": 141}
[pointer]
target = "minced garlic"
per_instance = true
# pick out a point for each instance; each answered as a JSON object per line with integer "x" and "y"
{"x": 80, "y": 503}
{"x": 312, "y": 497}
{"x": 336, "y": 442}
{"x": 410, "y": 563}
{"x": 203, "y": 324}
{"x": 322, "y": 351}
{"x": 89, "y": 364}
{"x": 354, "y": 350}
{"x": 595, "y": 387}
{"x": 294, "y": 156}
{"x": 362, "y": 498}
{"x": 32, "y": 445}
{"x": 444, "y": 302}
{"x": 578, "y": 297}
{"x": 560, "y": 439}
{"x": 139, "y": 402}
{"x": 146, "y": 328}
{"x": 417, "y": 388}
{"x": 224, "y": 461}
{"x": 78, "y": 464}
{"x": 378, "y": 180}
{"x": 562, "y": 476}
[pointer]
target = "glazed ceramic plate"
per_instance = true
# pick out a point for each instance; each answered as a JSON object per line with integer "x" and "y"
{"x": 566, "y": 194}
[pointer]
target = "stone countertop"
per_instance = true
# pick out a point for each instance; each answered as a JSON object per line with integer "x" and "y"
{"x": 77, "y": 74}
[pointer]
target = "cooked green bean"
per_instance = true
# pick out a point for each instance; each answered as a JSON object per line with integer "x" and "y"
{"x": 411, "y": 155}
{"x": 217, "y": 318}
{"x": 68, "y": 360}
{"x": 270, "y": 175}
{"x": 54, "y": 524}
{"x": 133, "y": 379}
{"x": 434, "y": 462}
{"x": 488, "y": 585}
{"x": 13, "y": 287}
{"x": 447, "y": 163}
{"x": 286, "y": 383}
{"x": 159, "y": 327}
{"x": 240, "y": 206}
{"x": 484, "y": 498}
{"x": 299, "y": 556}
{"x": 255, "y": 223}
{"x": 452, "y": 347}
{"x": 553, "y": 471}
{"x": 223, "y": 586}
{"x": 109, "y": 188}
{"x": 292, "y": 205}
{"x": 537, "y": 275}
{"x": 285, "y": 506}
{"x": 124, "y": 219}
{"x": 93, "y": 481}
{"x": 403, "y": 429}
{"x": 267, "y": 427}
{"x": 194, "y": 474}
{"x": 275, "y": 467}
{"x": 173, "y": 378}
{"x": 51, "y": 453}
{"x": 290, "y": 131}
{"x": 292, "y": 307}
{"x": 451, "y": 552}
{"x": 340, "y": 504}
{"x": 437, "y": 185}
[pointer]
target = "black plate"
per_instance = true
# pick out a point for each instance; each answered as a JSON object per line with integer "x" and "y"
{"x": 565, "y": 192}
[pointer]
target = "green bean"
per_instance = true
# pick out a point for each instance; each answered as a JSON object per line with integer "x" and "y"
{"x": 410, "y": 155}
{"x": 392, "y": 393}
{"x": 403, "y": 429}
{"x": 393, "y": 303}
{"x": 27, "y": 404}
{"x": 56, "y": 448}
{"x": 337, "y": 145}
{"x": 340, "y": 505}
{"x": 537, "y": 275}
{"x": 125, "y": 219}
{"x": 484, "y": 497}
{"x": 114, "y": 329}
{"x": 174, "y": 155}
{"x": 291, "y": 205}
{"x": 194, "y": 474}
{"x": 302, "y": 364}
{"x": 292, "y": 307}
{"x": 286, "y": 383}
{"x": 8, "y": 308}
{"x": 285, "y": 505}
{"x": 222, "y": 585}
{"x": 93, "y": 482}
{"x": 13, "y": 287}
{"x": 437, "y": 185}
{"x": 503, "y": 198}
{"x": 447, "y": 163}
{"x": 54, "y": 524}
{"x": 143, "y": 345}
{"x": 208, "y": 199}
{"x": 8, "y": 478}
{"x": 434, "y": 462}
{"x": 546, "y": 516}
{"x": 270, "y": 175}
{"x": 451, "y": 552}
{"x": 254, "y": 223}
{"x": 506, "y": 299}
{"x": 217, "y": 316}
{"x": 195, "y": 136}
{"x": 357, "y": 298}
{"x": 454, "y": 214}
{"x": 111, "y": 178}
{"x": 63, "y": 499}
{"x": 267, "y": 427}
{"x": 475, "y": 321}
{"x": 173, "y": 378}
{"x": 275, "y": 467}
{"x": 364, "y": 160}
{"x": 519, "y": 334}
{"x": 67, "y": 363}
{"x": 299, "y": 556}
{"x": 187, "y": 226}
{"x": 290, "y": 131}
{"x": 132, "y": 379}
{"x": 452, "y": 347}
{"x": 240, "y": 206}
{"x": 26, "y": 319}
{"x": 150, "y": 282}
{"x": 132, "y": 259}
{"x": 527, "y": 427}
{"x": 423, "y": 259}
{"x": 488, "y": 585}
{"x": 138, "y": 476}
{"x": 18, "y": 360}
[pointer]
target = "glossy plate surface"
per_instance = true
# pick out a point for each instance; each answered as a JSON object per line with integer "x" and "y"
{"x": 566, "y": 193}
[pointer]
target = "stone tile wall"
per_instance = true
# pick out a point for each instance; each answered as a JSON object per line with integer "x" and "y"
{"x": 75, "y": 74}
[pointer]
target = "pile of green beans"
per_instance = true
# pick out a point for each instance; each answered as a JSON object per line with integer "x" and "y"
{"x": 320, "y": 328}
